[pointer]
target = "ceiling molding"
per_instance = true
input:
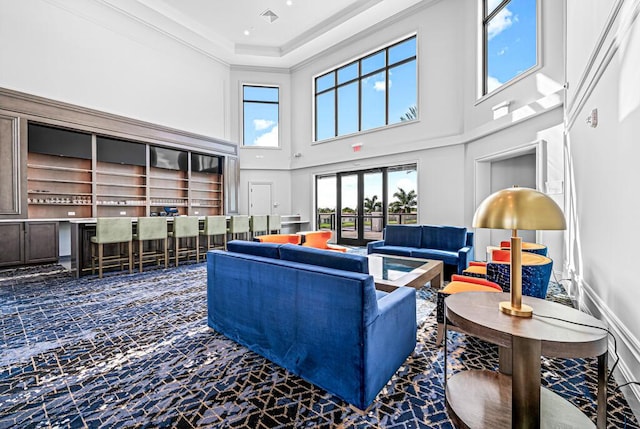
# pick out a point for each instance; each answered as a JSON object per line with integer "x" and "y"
{"x": 369, "y": 31}
{"x": 329, "y": 24}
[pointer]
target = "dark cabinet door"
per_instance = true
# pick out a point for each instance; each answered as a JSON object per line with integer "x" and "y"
{"x": 41, "y": 242}
{"x": 12, "y": 248}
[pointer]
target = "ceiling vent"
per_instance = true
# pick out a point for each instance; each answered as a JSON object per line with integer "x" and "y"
{"x": 269, "y": 16}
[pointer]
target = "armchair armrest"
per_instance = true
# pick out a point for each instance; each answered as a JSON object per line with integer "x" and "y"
{"x": 371, "y": 246}
{"x": 389, "y": 339}
{"x": 465, "y": 255}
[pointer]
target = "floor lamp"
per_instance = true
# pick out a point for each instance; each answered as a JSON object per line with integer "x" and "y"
{"x": 518, "y": 208}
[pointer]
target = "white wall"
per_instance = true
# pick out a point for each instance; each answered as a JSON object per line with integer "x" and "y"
{"x": 84, "y": 53}
{"x": 603, "y": 166}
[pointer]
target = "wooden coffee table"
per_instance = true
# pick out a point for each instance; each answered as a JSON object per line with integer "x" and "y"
{"x": 390, "y": 272}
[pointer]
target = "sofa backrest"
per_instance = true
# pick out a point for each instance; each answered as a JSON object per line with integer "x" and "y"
{"x": 268, "y": 250}
{"x": 442, "y": 237}
{"x": 325, "y": 258}
{"x": 402, "y": 235}
{"x": 232, "y": 277}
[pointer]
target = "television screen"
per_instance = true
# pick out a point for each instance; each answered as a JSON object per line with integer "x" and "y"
{"x": 121, "y": 151}
{"x": 205, "y": 163}
{"x": 58, "y": 141}
{"x": 168, "y": 158}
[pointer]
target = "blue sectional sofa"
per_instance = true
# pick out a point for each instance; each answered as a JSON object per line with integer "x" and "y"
{"x": 451, "y": 244}
{"x": 314, "y": 312}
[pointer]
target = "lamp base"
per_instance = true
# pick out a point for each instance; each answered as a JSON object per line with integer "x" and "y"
{"x": 523, "y": 311}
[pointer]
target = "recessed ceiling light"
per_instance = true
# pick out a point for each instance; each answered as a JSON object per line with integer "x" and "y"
{"x": 289, "y": 2}
{"x": 247, "y": 32}
{"x": 269, "y": 16}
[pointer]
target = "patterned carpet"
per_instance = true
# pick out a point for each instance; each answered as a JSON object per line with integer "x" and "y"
{"x": 135, "y": 351}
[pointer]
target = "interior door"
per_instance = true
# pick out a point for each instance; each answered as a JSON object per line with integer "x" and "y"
{"x": 259, "y": 198}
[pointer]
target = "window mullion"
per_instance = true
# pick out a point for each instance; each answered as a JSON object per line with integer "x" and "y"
{"x": 386, "y": 87}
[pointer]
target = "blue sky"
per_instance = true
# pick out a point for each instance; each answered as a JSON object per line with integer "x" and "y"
{"x": 512, "y": 41}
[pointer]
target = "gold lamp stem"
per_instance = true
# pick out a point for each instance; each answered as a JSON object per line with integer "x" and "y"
{"x": 515, "y": 307}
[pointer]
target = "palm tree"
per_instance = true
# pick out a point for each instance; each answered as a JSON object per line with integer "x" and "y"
{"x": 411, "y": 114}
{"x": 405, "y": 201}
{"x": 372, "y": 204}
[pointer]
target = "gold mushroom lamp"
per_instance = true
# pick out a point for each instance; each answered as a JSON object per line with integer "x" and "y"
{"x": 518, "y": 208}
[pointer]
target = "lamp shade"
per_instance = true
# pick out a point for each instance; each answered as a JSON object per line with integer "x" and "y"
{"x": 519, "y": 208}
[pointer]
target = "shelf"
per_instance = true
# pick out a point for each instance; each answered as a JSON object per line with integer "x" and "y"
{"x": 118, "y": 204}
{"x": 49, "y": 193}
{"x": 55, "y": 168}
{"x": 171, "y": 189}
{"x": 111, "y": 173}
{"x": 168, "y": 204}
{"x": 206, "y": 182}
{"x": 76, "y": 182}
{"x": 60, "y": 204}
{"x": 477, "y": 399}
{"x": 114, "y": 195}
{"x": 120, "y": 185}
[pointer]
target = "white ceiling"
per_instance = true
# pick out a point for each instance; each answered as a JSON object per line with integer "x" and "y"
{"x": 303, "y": 29}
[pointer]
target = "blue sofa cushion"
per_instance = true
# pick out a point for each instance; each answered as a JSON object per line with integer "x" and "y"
{"x": 325, "y": 258}
{"x": 447, "y": 257}
{"x": 402, "y": 235}
{"x": 394, "y": 250}
{"x": 268, "y": 250}
{"x": 450, "y": 238}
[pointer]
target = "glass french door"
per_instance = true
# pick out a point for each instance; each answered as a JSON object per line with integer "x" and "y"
{"x": 360, "y": 212}
{"x": 357, "y": 205}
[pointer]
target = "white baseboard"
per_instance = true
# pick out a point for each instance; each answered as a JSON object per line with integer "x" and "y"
{"x": 628, "y": 345}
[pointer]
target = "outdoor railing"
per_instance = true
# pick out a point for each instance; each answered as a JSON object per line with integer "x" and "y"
{"x": 328, "y": 220}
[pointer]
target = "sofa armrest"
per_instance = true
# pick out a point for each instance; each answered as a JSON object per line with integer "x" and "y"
{"x": 371, "y": 246}
{"x": 465, "y": 255}
{"x": 389, "y": 339}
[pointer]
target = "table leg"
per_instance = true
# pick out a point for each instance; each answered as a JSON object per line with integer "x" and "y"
{"x": 436, "y": 282}
{"x": 602, "y": 391}
{"x": 505, "y": 359}
{"x": 525, "y": 395}
{"x": 444, "y": 348}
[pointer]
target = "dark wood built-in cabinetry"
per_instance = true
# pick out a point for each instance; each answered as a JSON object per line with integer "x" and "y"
{"x": 28, "y": 242}
{"x": 60, "y": 162}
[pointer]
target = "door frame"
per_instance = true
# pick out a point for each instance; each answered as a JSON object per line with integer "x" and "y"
{"x": 482, "y": 173}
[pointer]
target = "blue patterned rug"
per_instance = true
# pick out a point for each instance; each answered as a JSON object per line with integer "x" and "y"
{"x": 135, "y": 351}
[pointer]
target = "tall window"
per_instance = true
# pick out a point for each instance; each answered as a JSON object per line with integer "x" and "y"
{"x": 510, "y": 40}
{"x": 377, "y": 90}
{"x": 260, "y": 120}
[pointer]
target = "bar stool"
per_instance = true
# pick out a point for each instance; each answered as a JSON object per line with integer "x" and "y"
{"x": 238, "y": 224}
{"x": 275, "y": 223}
{"x": 152, "y": 229}
{"x": 213, "y": 226}
{"x": 258, "y": 224}
{"x": 185, "y": 227}
{"x": 111, "y": 230}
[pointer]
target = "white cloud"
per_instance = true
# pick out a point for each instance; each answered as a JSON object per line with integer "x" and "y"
{"x": 493, "y": 83}
{"x": 503, "y": 51}
{"x": 500, "y": 22}
{"x": 269, "y": 139}
{"x": 380, "y": 85}
{"x": 262, "y": 124}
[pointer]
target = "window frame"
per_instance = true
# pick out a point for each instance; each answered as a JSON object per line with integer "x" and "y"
{"x": 484, "y": 25}
{"x": 358, "y": 80}
{"x": 277, "y": 103}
